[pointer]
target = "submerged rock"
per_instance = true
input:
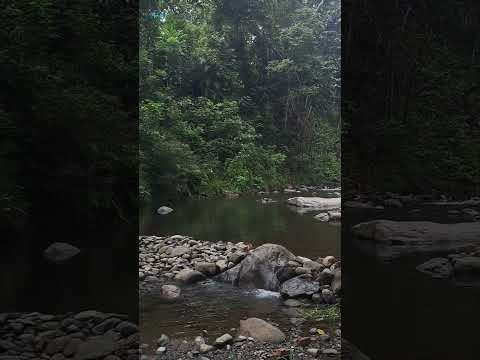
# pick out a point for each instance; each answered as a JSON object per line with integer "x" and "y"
{"x": 60, "y": 252}
{"x": 170, "y": 292}
{"x": 440, "y": 268}
{"x": 390, "y": 239}
{"x": 189, "y": 276}
{"x": 266, "y": 267}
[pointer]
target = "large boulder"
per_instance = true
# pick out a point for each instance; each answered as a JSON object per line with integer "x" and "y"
{"x": 316, "y": 203}
{"x": 266, "y": 267}
{"x": 390, "y": 239}
{"x": 302, "y": 285}
{"x": 59, "y": 252}
{"x": 261, "y": 331}
{"x": 439, "y": 268}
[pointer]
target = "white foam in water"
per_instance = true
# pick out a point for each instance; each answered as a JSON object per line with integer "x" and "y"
{"x": 265, "y": 293}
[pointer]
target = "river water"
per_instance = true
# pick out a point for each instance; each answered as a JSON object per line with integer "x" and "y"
{"x": 216, "y": 307}
{"x": 392, "y": 311}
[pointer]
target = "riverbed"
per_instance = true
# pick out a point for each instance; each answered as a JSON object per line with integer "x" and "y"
{"x": 217, "y": 308}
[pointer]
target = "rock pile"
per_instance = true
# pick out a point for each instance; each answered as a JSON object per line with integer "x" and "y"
{"x": 270, "y": 267}
{"x": 185, "y": 259}
{"x": 81, "y": 336}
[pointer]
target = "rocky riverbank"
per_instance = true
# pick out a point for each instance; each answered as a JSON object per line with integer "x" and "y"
{"x": 310, "y": 288}
{"x": 80, "y": 336}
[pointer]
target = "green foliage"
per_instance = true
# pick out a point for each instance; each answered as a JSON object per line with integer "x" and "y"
{"x": 328, "y": 313}
{"x": 238, "y": 95}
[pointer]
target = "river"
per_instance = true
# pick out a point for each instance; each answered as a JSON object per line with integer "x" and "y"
{"x": 216, "y": 307}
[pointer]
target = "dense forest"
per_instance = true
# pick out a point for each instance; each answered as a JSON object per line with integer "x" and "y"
{"x": 238, "y": 95}
{"x": 414, "y": 127}
{"x": 68, "y": 114}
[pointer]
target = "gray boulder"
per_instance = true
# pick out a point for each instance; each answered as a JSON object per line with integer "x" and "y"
{"x": 301, "y": 285}
{"x": 266, "y": 267}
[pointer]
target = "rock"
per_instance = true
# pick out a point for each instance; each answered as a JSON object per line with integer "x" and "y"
{"x": 266, "y": 267}
{"x": 325, "y": 277}
{"x": 206, "y": 268}
{"x": 161, "y": 350}
{"x": 189, "y": 276}
{"x": 322, "y": 217}
{"x": 292, "y": 303}
{"x": 126, "y": 328}
{"x": 222, "y": 265}
{"x": 170, "y": 292}
{"x": 469, "y": 265}
{"x": 223, "y": 340}
{"x": 261, "y": 331}
{"x": 316, "y": 203}
{"x": 164, "y": 210}
{"x": 390, "y": 239}
{"x": 440, "y": 268}
{"x": 328, "y": 261}
{"x": 237, "y": 256}
{"x": 301, "y": 285}
{"x": 313, "y": 351}
{"x": 204, "y": 348}
{"x": 95, "y": 348}
{"x": 317, "y": 298}
{"x": 59, "y": 252}
{"x": 328, "y": 296}
{"x": 337, "y": 281}
{"x": 335, "y": 215}
{"x": 359, "y": 205}
{"x": 312, "y": 265}
{"x": 163, "y": 340}
{"x": 179, "y": 251}
{"x": 330, "y": 351}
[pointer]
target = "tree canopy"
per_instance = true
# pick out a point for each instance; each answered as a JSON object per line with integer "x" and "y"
{"x": 238, "y": 95}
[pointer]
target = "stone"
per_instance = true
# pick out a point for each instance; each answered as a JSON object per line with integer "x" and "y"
{"x": 328, "y": 296}
{"x": 316, "y": 203}
{"x": 170, "y": 292}
{"x": 261, "y": 331}
{"x": 337, "y": 281}
{"x": 328, "y": 261}
{"x": 189, "y": 276}
{"x": 394, "y": 203}
{"x": 313, "y": 351}
{"x": 204, "y": 348}
{"x": 95, "y": 348}
{"x": 164, "y": 210}
{"x": 60, "y": 252}
{"x": 439, "y": 268}
{"x": 179, "y": 251}
{"x": 161, "y": 350}
{"x": 389, "y": 239}
{"x": 292, "y": 303}
{"x": 223, "y": 340}
{"x": 206, "y": 268}
{"x": 301, "y": 285}
{"x": 127, "y": 328}
{"x": 163, "y": 340}
{"x": 325, "y": 277}
{"x": 266, "y": 267}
